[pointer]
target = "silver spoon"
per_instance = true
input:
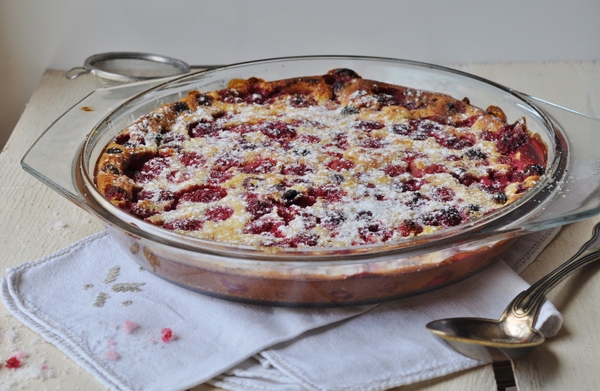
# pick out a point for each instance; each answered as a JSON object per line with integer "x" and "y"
{"x": 513, "y": 335}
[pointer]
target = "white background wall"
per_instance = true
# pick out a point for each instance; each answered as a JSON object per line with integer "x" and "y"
{"x": 60, "y": 34}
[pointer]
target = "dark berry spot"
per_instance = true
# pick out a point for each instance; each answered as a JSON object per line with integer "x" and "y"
{"x": 534, "y": 169}
{"x": 333, "y": 219}
{"x": 446, "y": 217}
{"x": 364, "y": 215}
{"x": 301, "y": 152}
{"x": 500, "y": 198}
{"x": 180, "y": 106}
{"x": 475, "y": 154}
{"x": 204, "y": 100}
{"x": 122, "y": 138}
{"x": 348, "y": 110}
{"x": 111, "y": 169}
{"x": 337, "y": 178}
{"x": 290, "y": 195}
{"x": 402, "y": 129}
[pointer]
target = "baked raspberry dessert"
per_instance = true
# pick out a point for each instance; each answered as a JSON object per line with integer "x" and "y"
{"x": 323, "y": 161}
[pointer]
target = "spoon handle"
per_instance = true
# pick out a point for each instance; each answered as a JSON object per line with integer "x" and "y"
{"x": 528, "y": 303}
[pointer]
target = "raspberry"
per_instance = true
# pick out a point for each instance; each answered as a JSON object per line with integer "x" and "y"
{"x": 151, "y": 169}
{"x": 372, "y": 143}
{"x": 177, "y": 176}
{"x": 191, "y": 159}
{"x": 13, "y": 363}
{"x": 328, "y": 192}
{"x": 225, "y": 162}
{"x": 184, "y": 225}
{"x": 368, "y": 125}
{"x": 264, "y": 226}
{"x": 309, "y": 138}
{"x": 443, "y": 194}
{"x": 167, "y": 335}
{"x": 115, "y": 193}
{"x": 204, "y": 193}
{"x": 300, "y": 100}
{"x": 257, "y": 207}
{"x": 277, "y": 130}
{"x": 156, "y": 195}
{"x": 511, "y": 137}
{"x": 203, "y": 128}
{"x": 219, "y": 213}
{"x": 374, "y": 232}
{"x": 467, "y": 123}
{"x": 296, "y": 169}
{"x": 394, "y": 170}
{"x": 303, "y": 239}
{"x": 259, "y": 166}
{"x": 408, "y": 227}
{"x": 340, "y": 140}
{"x": 340, "y": 164}
{"x": 219, "y": 176}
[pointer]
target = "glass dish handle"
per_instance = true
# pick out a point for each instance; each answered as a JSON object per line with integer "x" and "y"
{"x": 52, "y": 158}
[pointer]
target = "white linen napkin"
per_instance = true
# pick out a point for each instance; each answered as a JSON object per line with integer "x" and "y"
{"x": 135, "y": 331}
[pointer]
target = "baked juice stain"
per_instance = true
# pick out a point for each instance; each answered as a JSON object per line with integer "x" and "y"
{"x": 87, "y": 108}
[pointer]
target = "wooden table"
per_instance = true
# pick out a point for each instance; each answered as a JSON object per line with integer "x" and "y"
{"x": 36, "y": 221}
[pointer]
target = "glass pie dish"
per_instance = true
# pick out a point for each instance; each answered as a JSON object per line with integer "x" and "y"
{"x": 64, "y": 158}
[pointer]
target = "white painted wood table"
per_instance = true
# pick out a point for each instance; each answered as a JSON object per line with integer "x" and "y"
{"x": 36, "y": 221}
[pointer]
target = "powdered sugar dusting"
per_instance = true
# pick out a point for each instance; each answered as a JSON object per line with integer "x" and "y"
{"x": 324, "y": 175}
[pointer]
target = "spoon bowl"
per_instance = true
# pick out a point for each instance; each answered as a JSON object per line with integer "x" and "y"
{"x": 486, "y": 339}
{"x": 514, "y": 334}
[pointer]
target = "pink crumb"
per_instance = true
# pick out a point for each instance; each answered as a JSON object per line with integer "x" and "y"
{"x": 45, "y": 367}
{"x": 20, "y": 355}
{"x": 13, "y": 363}
{"x": 167, "y": 335}
{"x": 130, "y": 326}
{"x": 111, "y": 355}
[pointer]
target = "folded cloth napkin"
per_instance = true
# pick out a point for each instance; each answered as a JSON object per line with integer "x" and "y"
{"x": 135, "y": 331}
